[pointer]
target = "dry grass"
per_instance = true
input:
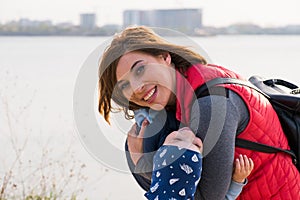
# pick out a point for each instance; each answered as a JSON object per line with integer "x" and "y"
{"x": 43, "y": 176}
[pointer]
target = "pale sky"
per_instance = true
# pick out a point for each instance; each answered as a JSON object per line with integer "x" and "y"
{"x": 217, "y": 13}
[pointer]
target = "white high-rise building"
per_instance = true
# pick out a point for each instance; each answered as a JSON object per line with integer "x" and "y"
{"x": 184, "y": 20}
{"x": 88, "y": 21}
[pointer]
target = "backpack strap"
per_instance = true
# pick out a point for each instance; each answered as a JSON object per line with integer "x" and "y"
{"x": 247, "y": 144}
{"x": 218, "y": 81}
{"x": 273, "y": 82}
{"x": 242, "y": 143}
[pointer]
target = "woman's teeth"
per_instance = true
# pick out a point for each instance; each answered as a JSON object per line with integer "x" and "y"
{"x": 149, "y": 94}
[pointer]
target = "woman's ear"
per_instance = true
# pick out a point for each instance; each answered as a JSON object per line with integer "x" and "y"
{"x": 167, "y": 58}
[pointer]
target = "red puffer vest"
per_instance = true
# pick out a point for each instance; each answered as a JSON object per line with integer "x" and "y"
{"x": 274, "y": 176}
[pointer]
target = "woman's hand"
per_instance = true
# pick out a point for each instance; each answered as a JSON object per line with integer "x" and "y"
{"x": 185, "y": 138}
{"x": 135, "y": 141}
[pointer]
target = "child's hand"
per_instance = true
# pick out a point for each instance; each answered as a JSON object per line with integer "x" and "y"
{"x": 243, "y": 168}
{"x": 135, "y": 141}
{"x": 184, "y": 138}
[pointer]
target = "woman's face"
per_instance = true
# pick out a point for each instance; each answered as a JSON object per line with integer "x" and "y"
{"x": 147, "y": 80}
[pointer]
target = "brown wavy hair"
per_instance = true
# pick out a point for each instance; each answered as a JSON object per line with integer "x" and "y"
{"x": 142, "y": 39}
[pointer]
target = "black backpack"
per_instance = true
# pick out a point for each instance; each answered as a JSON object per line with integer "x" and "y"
{"x": 285, "y": 99}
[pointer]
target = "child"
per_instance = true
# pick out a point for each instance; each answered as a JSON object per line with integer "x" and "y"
{"x": 177, "y": 165}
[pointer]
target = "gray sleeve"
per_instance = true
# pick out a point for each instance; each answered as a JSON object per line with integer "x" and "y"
{"x": 144, "y": 168}
{"x": 235, "y": 190}
{"x": 216, "y": 120}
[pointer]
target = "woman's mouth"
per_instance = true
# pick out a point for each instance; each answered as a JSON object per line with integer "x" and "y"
{"x": 150, "y": 95}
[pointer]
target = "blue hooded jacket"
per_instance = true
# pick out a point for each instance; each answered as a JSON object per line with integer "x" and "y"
{"x": 163, "y": 123}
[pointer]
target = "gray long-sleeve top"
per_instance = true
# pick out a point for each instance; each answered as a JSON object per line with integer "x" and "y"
{"x": 217, "y": 121}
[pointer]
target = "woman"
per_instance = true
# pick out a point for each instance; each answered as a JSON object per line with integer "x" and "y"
{"x": 141, "y": 70}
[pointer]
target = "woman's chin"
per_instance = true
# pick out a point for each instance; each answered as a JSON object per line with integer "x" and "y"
{"x": 157, "y": 107}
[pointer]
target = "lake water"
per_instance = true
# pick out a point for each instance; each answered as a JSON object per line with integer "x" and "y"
{"x": 37, "y": 78}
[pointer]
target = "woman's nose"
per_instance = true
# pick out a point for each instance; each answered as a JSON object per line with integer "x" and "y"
{"x": 137, "y": 87}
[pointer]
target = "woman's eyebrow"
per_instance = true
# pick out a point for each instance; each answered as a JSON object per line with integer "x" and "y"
{"x": 119, "y": 82}
{"x": 134, "y": 64}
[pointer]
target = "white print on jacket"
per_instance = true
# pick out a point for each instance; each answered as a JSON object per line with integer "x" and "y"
{"x": 186, "y": 168}
{"x": 164, "y": 161}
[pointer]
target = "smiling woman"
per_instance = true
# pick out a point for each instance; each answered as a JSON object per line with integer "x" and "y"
{"x": 147, "y": 80}
{"x": 141, "y": 49}
{"x": 141, "y": 70}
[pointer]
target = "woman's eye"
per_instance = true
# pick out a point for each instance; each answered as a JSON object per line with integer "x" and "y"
{"x": 140, "y": 69}
{"x": 124, "y": 85}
